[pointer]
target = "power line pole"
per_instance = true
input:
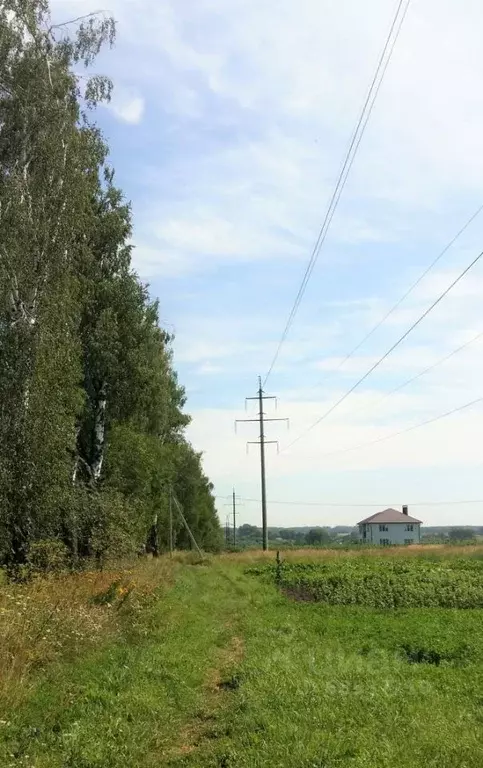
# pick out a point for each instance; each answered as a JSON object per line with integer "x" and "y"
{"x": 183, "y": 518}
{"x": 170, "y": 524}
{"x": 233, "y": 505}
{"x": 262, "y": 442}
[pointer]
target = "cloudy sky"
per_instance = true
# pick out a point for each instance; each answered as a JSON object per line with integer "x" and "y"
{"x": 228, "y": 126}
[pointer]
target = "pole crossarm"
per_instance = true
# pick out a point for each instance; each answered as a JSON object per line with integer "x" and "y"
{"x": 261, "y": 419}
{"x": 233, "y": 504}
{"x": 265, "y": 442}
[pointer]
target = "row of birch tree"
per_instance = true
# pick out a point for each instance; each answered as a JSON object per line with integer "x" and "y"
{"x": 92, "y": 421}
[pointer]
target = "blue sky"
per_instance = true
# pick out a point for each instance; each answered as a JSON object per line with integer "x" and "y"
{"x": 228, "y": 126}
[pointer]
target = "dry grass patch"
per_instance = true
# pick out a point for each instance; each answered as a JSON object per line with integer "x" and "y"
{"x": 52, "y": 618}
{"x": 316, "y": 553}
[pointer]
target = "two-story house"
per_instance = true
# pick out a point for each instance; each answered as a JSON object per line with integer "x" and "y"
{"x": 390, "y": 527}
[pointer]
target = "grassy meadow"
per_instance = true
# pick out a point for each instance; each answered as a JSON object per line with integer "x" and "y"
{"x": 172, "y": 663}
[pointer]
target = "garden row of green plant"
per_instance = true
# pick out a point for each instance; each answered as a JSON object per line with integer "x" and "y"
{"x": 381, "y": 583}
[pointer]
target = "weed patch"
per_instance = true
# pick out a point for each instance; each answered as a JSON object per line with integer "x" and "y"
{"x": 58, "y": 617}
{"x": 423, "y": 655}
{"x": 231, "y": 683}
{"x": 225, "y": 670}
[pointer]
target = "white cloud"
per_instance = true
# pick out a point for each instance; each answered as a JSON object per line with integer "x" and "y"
{"x": 448, "y": 448}
{"x": 152, "y": 260}
{"x": 240, "y": 54}
{"x": 232, "y": 344}
{"x": 127, "y": 106}
{"x": 312, "y": 67}
{"x": 208, "y": 369}
{"x": 256, "y": 103}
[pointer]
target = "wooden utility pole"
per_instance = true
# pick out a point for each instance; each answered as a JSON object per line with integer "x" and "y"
{"x": 170, "y": 524}
{"x": 262, "y": 442}
{"x": 183, "y": 519}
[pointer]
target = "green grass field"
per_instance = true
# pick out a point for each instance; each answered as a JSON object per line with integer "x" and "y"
{"x": 222, "y": 669}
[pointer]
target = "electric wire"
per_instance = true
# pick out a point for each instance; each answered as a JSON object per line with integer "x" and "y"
{"x": 403, "y": 431}
{"x": 387, "y": 353}
{"x": 352, "y": 504}
{"x": 346, "y": 167}
{"x": 423, "y": 372}
{"x": 404, "y": 296}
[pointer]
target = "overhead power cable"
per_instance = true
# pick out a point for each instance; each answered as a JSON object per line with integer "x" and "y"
{"x": 403, "y": 431}
{"x": 352, "y": 504}
{"x": 386, "y": 354}
{"x": 405, "y": 295}
{"x": 424, "y": 372}
{"x": 359, "y": 131}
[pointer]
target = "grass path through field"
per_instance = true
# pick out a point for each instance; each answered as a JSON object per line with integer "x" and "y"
{"x": 229, "y": 673}
{"x": 134, "y": 702}
{"x": 321, "y": 687}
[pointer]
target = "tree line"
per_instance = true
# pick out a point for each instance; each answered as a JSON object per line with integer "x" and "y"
{"x": 250, "y": 535}
{"x": 92, "y": 420}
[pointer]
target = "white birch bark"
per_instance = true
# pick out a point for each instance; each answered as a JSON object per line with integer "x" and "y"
{"x": 99, "y": 434}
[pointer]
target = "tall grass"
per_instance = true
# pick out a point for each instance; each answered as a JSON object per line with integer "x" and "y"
{"x": 432, "y": 551}
{"x": 49, "y": 619}
{"x": 224, "y": 671}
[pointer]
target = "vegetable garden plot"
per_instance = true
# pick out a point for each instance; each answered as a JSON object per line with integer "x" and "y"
{"x": 381, "y": 583}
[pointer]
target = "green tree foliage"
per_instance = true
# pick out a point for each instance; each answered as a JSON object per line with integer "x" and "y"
{"x": 461, "y": 534}
{"x": 290, "y": 534}
{"x": 91, "y": 412}
{"x": 247, "y": 531}
{"x": 317, "y": 536}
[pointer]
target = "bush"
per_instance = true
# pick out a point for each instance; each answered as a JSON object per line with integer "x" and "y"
{"x": 48, "y": 556}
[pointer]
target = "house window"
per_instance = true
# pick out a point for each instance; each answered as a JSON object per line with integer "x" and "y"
{"x": 383, "y": 528}
{"x": 409, "y": 527}
{"x": 409, "y": 541}
{"x": 384, "y": 542}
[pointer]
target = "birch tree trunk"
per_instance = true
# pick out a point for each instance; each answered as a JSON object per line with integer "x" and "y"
{"x": 99, "y": 434}
{"x": 49, "y": 158}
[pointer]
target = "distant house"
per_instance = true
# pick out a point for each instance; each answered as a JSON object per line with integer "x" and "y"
{"x": 390, "y": 527}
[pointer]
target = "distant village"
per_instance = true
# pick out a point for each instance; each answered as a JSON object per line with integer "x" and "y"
{"x": 249, "y": 535}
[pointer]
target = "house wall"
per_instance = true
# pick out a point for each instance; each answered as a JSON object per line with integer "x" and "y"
{"x": 396, "y": 533}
